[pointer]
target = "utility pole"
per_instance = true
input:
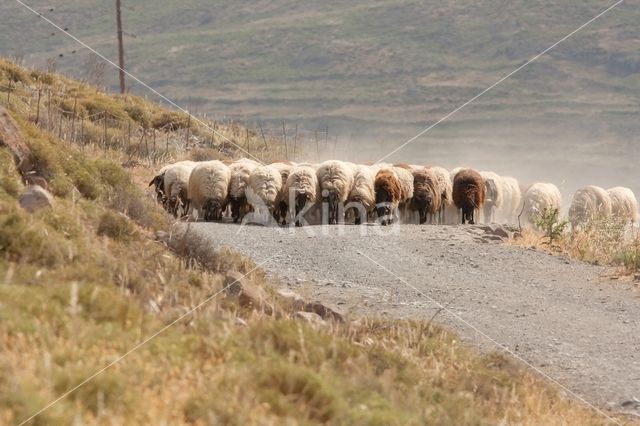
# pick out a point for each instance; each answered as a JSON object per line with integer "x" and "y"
{"x": 120, "y": 47}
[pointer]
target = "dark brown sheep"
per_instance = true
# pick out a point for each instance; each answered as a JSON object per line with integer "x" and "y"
{"x": 468, "y": 193}
{"x": 388, "y": 193}
{"x": 426, "y": 193}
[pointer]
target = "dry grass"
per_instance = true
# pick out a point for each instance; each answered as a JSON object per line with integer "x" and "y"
{"x": 603, "y": 241}
{"x": 83, "y": 282}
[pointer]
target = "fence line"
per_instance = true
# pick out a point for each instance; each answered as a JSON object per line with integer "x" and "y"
{"x": 106, "y": 130}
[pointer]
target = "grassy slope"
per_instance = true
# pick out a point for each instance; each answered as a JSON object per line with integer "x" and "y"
{"x": 82, "y": 283}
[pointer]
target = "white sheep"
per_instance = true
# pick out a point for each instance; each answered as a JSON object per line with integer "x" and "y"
{"x": 176, "y": 186}
{"x": 406, "y": 190}
{"x": 362, "y": 196}
{"x": 264, "y": 191}
{"x": 301, "y": 190}
{"x": 446, "y": 186}
{"x": 512, "y": 200}
{"x": 540, "y": 197}
{"x": 280, "y": 211}
{"x": 209, "y": 188}
{"x": 494, "y": 195}
{"x": 240, "y": 172}
{"x": 158, "y": 180}
{"x": 336, "y": 180}
{"x": 587, "y": 204}
{"x": 623, "y": 203}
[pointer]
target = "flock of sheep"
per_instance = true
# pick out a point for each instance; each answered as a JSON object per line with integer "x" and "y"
{"x": 337, "y": 191}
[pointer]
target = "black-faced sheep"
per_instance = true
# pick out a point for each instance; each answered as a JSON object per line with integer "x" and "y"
{"x": 300, "y": 190}
{"x": 209, "y": 188}
{"x": 468, "y": 193}
{"x": 336, "y": 180}
{"x": 240, "y": 172}
{"x": 264, "y": 191}
{"x": 280, "y": 211}
{"x": 362, "y": 196}
{"x": 159, "y": 183}
{"x": 176, "y": 185}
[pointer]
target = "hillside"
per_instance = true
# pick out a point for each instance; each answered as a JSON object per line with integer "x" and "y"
{"x": 86, "y": 280}
{"x": 374, "y": 72}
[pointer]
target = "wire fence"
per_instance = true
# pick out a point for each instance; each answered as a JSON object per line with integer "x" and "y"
{"x": 104, "y": 130}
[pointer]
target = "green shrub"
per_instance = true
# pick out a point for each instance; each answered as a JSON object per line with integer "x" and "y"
{"x": 549, "y": 222}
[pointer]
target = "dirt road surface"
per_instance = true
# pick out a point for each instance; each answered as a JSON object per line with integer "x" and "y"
{"x": 567, "y": 318}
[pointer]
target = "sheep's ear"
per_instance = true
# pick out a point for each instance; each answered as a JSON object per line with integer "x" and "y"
{"x": 153, "y": 180}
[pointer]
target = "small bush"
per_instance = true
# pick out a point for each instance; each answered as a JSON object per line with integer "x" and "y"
{"x": 549, "y": 222}
{"x": 116, "y": 226}
{"x": 139, "y": 114}
{"x": 170, "y": 120}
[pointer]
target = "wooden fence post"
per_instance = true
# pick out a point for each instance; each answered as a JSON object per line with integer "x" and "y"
{"x": 284, "y": 136}
{"x": 38, "y": 107}
{"x": 262, "y": 133}
{"x": 188, "y": 129}
{"x": 73, "y": 121}
{"x": 295, "y": 142}
{"x": 154, "y": 145}
{"x": 104, "y": 140}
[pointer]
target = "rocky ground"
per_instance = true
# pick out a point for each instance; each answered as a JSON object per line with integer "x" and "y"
{"x": 568, "y": 319}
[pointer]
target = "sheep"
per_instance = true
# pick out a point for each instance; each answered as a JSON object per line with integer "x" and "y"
{"x": 538, "y": 198}
{"x": 623, "y": 204}
{"x": 406, "y": 187}
{"x": 300, "y": 190}
{"x": 468, "y": 193}
{"x": 587, "y": 204}
{"x": 494, "y": 196}
{"x": 264, "y": 191}
{"x": 446, "y": 187}
{"x": 512, "y": 199}
{"x": 280, "y": 211}
{"x": 388, "y": 193}
{"x": 240, "y": 172}
{"x": 209, "y": 188}
{"x": 336, "y": 180}
{"x": 427, "y": 194}
{"x": 158, "y": 180}
{"x": 362, "y": 194}
{"x": 176, "y": 183}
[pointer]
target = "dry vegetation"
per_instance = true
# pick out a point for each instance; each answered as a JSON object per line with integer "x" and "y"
{"x": 606, "y": 241}
{"x": 83, "y": 282}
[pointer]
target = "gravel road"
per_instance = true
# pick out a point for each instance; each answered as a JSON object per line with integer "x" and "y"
{"x": 564, "y": 317}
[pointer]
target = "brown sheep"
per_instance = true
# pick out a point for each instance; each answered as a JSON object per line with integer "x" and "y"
{"x": 426, "y": 193}
{"x": 468, "y": 193}
{"x": 388, "y": 194}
